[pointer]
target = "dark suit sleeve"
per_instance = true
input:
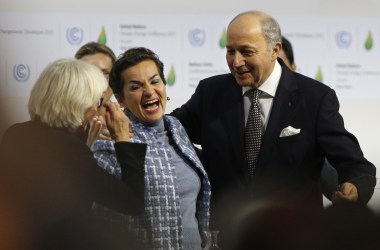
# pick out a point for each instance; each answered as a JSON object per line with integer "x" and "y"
{"x": 343, "y": 150}
{"x": 126, "y": 196}
{"x": 329, "y": 180}
{"x": 190, "y": 114}
{"x": 131, "y": 157}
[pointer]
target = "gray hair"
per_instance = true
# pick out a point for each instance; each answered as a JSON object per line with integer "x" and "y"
{"x": 269, "y": 26}
{"x": 64, "y": 91}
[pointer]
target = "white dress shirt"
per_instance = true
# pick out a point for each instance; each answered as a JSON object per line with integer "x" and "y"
{"x": 268, "y": 91}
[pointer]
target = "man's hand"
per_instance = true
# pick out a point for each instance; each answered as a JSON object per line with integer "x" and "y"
{"x": 347, "y": 192}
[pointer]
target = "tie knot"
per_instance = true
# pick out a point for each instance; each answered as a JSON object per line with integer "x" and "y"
{"x": 253, "y": 94}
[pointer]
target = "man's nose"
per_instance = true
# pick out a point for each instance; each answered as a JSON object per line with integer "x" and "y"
{"x": 238, "y": 60}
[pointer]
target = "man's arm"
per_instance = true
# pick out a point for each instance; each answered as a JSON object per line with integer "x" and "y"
{"x": 189, "y": 114}
{"x": 344, "y": 153}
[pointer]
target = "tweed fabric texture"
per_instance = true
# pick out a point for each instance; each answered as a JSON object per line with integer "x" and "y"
{"x": 160, "y": 226}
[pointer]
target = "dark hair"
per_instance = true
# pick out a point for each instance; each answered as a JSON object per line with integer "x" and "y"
{"x": 130, "y": 58}
{"x": 288, "y": 50}
{"x": 92, "y": 48}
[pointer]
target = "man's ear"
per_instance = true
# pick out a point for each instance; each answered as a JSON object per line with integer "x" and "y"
{"x": 276, "y": 50}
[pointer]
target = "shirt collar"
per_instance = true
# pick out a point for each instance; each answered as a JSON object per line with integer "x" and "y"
{"x": 270, "y": 85}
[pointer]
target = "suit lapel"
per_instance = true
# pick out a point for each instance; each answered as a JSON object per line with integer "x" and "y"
{"x": 236, "y": 126}
{"x": 283, "y": 109}
{"x": 234, "y": 120}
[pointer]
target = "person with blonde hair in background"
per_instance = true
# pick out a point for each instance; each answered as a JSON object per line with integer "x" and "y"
{"x": 102, "y": 57}
{"x": 49, "y": 175}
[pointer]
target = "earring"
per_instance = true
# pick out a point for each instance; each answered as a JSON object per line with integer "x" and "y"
{"x": 168, "y": 98}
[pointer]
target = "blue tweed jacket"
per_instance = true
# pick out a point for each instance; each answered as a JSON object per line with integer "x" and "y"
{"x": 160, "y": 225}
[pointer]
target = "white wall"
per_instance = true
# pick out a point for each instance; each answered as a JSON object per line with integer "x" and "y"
{"x": 363, "y": 8}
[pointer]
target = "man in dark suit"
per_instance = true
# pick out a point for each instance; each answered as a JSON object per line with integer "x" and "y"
{"x": 300, "y": 121}
{"x": 329, "y": 176}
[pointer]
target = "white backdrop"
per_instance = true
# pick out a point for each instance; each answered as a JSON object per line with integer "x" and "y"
{"x": 337, "y": 42}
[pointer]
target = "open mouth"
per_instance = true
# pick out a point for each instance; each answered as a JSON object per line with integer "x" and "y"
{"x": 151, "y": 104}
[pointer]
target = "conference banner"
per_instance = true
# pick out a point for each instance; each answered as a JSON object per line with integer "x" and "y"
{"x": 339, "y": 52}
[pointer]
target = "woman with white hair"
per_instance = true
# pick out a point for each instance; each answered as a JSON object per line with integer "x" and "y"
{"x": 49, "y": 175}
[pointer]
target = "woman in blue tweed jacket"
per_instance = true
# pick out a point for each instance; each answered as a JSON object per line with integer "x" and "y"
{"x": 177, "y": 194}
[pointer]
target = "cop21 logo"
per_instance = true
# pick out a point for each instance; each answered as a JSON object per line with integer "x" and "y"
{"x": 343, "y": 39}
{"x": 197, "y": 37}
{"x": 74, "y": 35}
{"x": 21, "y": 72}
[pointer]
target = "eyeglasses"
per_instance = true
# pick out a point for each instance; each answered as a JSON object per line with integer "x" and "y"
{"x": 100, "y": 102}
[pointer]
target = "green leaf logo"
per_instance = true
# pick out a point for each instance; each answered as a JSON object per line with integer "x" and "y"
{"x": 319, "y": 75}
{"x": 223, "y": 39}
{"x": 368, "y": 41}
{"x": 171, "y": 77}
{"x": 102, "y": 36}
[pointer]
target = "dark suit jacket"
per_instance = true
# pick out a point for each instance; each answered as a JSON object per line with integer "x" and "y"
{"x": 51, "y": 180}
{"x": 288, "y": 167}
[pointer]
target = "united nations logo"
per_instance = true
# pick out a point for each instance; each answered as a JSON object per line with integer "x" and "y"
{"x": 343, "y": 39}
{"x": 21, "y": 72}
{"x": 74, "y": 35}
{"x": 197, "y": 37}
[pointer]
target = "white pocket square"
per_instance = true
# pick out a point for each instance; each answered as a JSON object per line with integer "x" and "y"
{"x": 289, "y": 131}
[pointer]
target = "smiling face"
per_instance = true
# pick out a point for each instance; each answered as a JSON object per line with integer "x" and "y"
{"x": 248, "y": 57}
{"x": 144, "y": 92}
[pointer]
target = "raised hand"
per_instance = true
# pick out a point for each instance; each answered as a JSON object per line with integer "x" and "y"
{"x": 118, "y": 123}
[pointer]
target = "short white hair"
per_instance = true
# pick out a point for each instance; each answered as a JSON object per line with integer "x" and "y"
{"x": 64, "y": 91}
